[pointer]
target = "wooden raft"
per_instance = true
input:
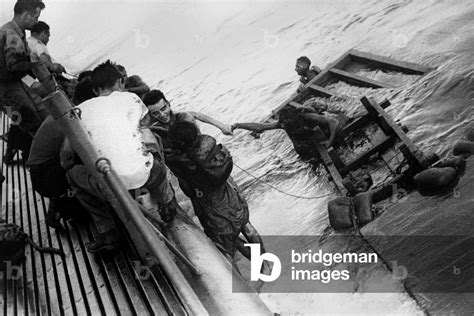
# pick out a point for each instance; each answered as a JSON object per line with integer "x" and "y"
{"x": 339, "y": 70}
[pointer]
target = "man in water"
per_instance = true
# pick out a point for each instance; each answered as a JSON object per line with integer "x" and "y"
{"x": 39, "y": 52}
{"x": 162, "y": 117}
{"x": 300, "y": 127}
{"x": 305, "y": 71}
{"x": 203, "y": 169}
{"x": 113, "y": 120}
{"x": 17, "y": 98}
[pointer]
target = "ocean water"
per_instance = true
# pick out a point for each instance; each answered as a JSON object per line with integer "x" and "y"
{"x": 234, "y": 60}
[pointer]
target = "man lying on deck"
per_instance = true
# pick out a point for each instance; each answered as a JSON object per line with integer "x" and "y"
{"x": 162, "y": 117}
{"x": 113, "y": 120}
{"x": 300, "y": 127}
{"x": 203, "y": 169}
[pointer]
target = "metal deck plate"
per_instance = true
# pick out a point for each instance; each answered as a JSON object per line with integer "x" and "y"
{"x": 81, "y": 283}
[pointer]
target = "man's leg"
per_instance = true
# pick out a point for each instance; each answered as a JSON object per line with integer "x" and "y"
{"x": 253, "y": 237}
{"x": 20, "y": 108}
{"x": 49, "y": 180}
{"x": 161, "y": 191}
{"x": 92, "y": 197}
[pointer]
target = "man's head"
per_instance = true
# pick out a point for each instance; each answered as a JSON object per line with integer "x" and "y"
{"x": 302, "y": 65}
{"x": 122, "y": 70}
{"x": 289, "y": 118}
{"x": 83, "y": 91}
{"x": 183, "y": 135}
{"x": 40, "y": 31}
{"x": 27, "y": 13}
{"x": 106, "y": 79}
{"x": 85, "y": 74}
{"x": 158, "y": 106}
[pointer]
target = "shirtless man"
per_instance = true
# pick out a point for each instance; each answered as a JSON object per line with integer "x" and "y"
{"x": 300, "y": 128}
{"x": 306, "y": 73}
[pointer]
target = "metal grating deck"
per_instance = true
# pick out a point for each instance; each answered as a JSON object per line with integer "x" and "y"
{"x": 81, "y": 283}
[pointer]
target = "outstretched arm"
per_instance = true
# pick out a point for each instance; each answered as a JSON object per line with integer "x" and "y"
{"x": 55, "y": 67}
{"x": 225, "y": 128}
{"x": 257, "y": 127}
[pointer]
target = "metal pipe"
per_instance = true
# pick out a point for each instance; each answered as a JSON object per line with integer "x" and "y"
{"x": 62, "y": 111}
{"x": 157, "y": 247}
{"x": 174, "y": 250}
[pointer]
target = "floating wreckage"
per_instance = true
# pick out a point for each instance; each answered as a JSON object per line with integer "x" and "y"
{"x": 374, "y": 139}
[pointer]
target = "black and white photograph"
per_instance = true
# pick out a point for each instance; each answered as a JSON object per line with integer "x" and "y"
{"x": 237, "y": 157}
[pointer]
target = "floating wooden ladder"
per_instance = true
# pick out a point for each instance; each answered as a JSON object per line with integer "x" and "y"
{"x": 337, "y": 72}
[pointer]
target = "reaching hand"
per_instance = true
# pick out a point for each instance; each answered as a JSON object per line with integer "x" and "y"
{"x": 59, "y": 68}
{"x": 227, "y": 129}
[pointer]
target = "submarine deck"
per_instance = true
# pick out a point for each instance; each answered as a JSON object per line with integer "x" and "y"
{"x": 80, "y": 283}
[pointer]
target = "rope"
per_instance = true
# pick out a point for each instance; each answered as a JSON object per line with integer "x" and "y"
{"x": 281, "y": 191}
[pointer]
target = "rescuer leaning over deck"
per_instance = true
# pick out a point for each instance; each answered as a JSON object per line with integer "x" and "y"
{"x": 47, "y": 175}
{"x": 162, "y": 117}
{"x": 113, "y": 120}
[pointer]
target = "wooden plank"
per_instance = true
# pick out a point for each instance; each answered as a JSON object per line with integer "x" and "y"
{"x": 362, "y": 121}
{"x": 362, "y": 159}
{"x": 388, "y": 63}
{"x": 295, "y": 104}
{"x": 372, "y": 106}
{"x": 330, "y": 167}
{"x": 358, "y": 80}
{"x": 325, "y": 93}
{"x": 336, "y": 159}
{"x": 356, "y": 124}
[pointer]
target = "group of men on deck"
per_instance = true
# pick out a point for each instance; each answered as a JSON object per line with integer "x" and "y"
{"x": 135, "y": 128}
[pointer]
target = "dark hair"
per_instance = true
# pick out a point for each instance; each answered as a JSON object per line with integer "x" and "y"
{"x": 290, "y": 119}
{"x": 83, "y": 91}
{"x": 183, "y": 134}
{"x": 105, "y": 75}
{"x": 40, "y": 27}
{"x": 85, "y": 74}
{"x": 22, "y": 6}
{"x": 152, "y": 97}
{"x": 304, "y": 60}
{"x": 121, "y": 69}
{"x": 287, "y": 112}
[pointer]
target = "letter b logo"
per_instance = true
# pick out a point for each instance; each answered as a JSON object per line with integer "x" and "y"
{"x": 256, "y": 261}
